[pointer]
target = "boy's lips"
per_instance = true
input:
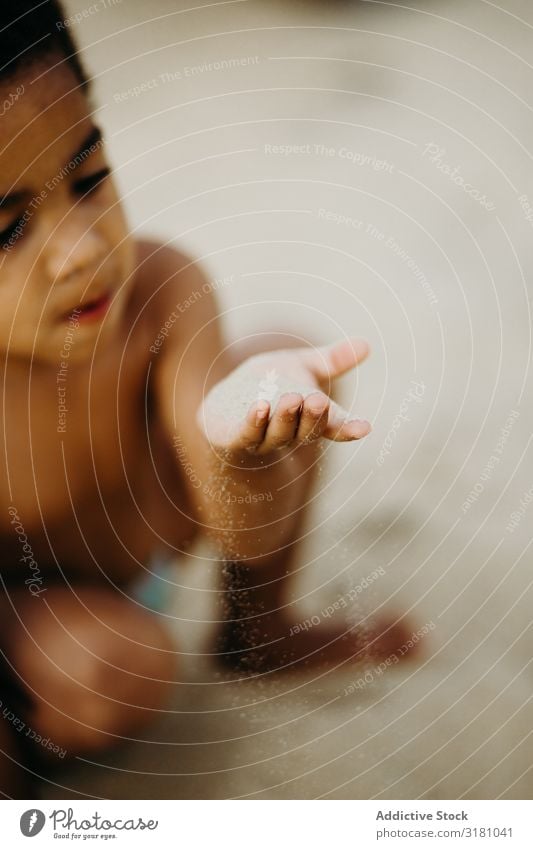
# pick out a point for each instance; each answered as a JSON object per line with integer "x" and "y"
{"x": 92, "y": 310}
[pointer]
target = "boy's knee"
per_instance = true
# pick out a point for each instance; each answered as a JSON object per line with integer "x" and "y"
{"x": 97, "y": 678}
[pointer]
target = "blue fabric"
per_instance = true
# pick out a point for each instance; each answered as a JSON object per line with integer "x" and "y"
{"x": 152, "y": 590}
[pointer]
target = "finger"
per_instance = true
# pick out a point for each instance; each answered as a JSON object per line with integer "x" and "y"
{"x": 253, "y": 431}
{"x": 331, "y": 361}
{"x": 313, "y": 418}
{"x": 341, "y": 428}
{"x": 283, "y": 424}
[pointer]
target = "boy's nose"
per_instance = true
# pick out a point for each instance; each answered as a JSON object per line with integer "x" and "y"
{"x": 73, "y": 252}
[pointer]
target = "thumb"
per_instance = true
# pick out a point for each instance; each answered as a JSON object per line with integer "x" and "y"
{"x": 331, "y": 361}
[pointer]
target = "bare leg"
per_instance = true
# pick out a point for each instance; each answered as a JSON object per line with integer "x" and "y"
{"x": 95, "y": 667}
{"x": 260, "y": 633}
{"x": 263, "y": 628}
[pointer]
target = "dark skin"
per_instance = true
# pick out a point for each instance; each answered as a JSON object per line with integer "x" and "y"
{"x": 96, "y": 491}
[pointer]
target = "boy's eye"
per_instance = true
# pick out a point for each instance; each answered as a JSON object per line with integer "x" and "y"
{"x": 12, "y": 234}
{"x": 88, "y": 184}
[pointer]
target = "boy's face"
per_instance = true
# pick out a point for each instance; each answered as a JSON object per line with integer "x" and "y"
{"x": 65, "y": 252}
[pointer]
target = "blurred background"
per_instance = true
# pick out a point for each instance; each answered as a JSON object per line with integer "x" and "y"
{"x": 357, "y": 168}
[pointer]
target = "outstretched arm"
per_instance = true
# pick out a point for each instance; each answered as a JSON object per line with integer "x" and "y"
{"x": 244, "y": 437}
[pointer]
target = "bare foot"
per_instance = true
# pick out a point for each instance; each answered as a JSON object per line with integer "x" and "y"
{"x": 271, "y": 643}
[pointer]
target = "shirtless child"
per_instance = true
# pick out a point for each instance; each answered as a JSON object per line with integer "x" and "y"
{"x": 91, "y": 481}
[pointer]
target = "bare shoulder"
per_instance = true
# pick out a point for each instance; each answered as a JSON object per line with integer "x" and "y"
{"x": 168, "y": 281}
{"x": 181, "y": 308}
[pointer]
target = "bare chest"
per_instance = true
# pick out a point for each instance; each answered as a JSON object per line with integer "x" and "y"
{"x": 89, "y": 471}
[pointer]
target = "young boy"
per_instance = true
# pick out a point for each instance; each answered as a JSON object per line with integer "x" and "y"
{"x": 124, "y": 421}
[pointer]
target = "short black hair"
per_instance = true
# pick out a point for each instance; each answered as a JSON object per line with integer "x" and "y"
{"x": 32, "y": 30}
